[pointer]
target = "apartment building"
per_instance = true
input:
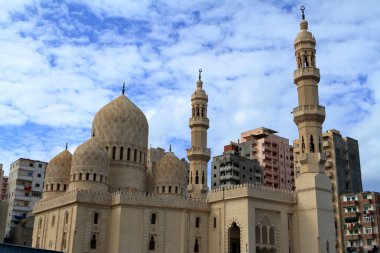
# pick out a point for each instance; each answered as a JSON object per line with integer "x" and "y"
{"x": 25, "y": 187}
{"x": 360, "y": 216}
{"x": 274, "y": 154}
{"x": 232, "y": 169}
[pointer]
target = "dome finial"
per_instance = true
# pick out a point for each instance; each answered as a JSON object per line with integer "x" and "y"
{"x": 200, "y": 74}
{"x": 303, "y": 12}
{"x": 123, "y": 90}
{"x": 170, "y": 148}
{"x": 66, "y": 145}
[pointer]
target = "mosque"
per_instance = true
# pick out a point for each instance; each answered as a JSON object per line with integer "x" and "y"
{"x": 99, "y": 200}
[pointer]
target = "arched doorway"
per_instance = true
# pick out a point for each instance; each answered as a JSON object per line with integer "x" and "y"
{"x": 234, "y": 239}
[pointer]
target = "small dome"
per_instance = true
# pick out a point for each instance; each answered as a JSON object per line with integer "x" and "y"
{"x": 304, "y": 34}
{"x": 59, "y": 167}
{"x": 90, "y": 165}
{"x": 121, "y": 123}
{"x": 170, "y": 174}
{"x": 57, "y": 175}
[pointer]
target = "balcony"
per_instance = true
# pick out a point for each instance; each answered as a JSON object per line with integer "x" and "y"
{"x": 229, "y": 168}
{"x": 21, "y": 208}
{"x": 366, "y": 201}
{"x": 199, "y": 121}
{"x": 310, "y": 112}
{"x": 24, "y": 177}
{"x": 306, "y": 72}
{"x": 200, "y": 153}
{"x": 229, "y": 177}
{"x": 22, "y": 197}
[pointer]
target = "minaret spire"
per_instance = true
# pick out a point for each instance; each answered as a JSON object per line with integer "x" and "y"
{"x": 66, "y": 145}
{"x": 198, "y": 154}
{"x": 313, "y": 187}
{"x": 123, "y": 90}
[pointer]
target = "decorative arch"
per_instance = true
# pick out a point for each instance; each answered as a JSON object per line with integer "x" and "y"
{"x": 226, "y": 233}
{"x": 269, "y": 231}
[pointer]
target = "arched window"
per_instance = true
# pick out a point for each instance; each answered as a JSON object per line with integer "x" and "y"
{"x": 66, "y": 217}
{"x": 191, "y": 177}
{"x": 176, "y": 189}
{"x": 94, "y": 177}
{"x": 140, "y": 156}
{"x": 312, "y": 150}
{"x": 152, "y": 243}
{"x": 107, "y": 148}
{"x": 196, "y": 245}
{"x": 197, "y": 221}
{"x": 258, "y": 237}
{"x": 93, "y": 242}
{"x": 163, "y": 189}
{"x": 58, "y": 187}
{"x": 153, "y": 219}
{"x": 64, "y": 187}
{"x": 265, "y": 235}
{"x": 121, "y": 153}
{"x": 113, "y": 152}
{"x": 170, "y": 189}
{"x": 135, "y": 155}
{"x": 196, "y": 178}
{"x": 51, "y": 187}
{"x": 203, "y": 177}
{"x": 271, "y": 236}
{"x": 46, "y": 187}
{"x": 87, "y": 176}
{"x": 96, "y": 218}
{"x": 80, "y": 176}
{"x": 214, "y": 222}
{"x": 53, "y": 221}
{"x": 101, "y": 178}
{"x": 129, "y": 154}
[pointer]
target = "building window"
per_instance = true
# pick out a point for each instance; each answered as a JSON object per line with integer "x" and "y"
{"x": 39, "y": 175}
{"x": 128, "y": 154}
{"x": 113, "y": 152}
{"x": 66, "y": 217}
{"x": 58, "y": 187}
{"x": 271, "y": 236}
{"x": 96, "y": 218}
{"x": 135, "y": 155}
{"x": 37, "y": 185}
{"x": 214, "y": 222}
{"x": 258, "y": 239}
{"x": 80, "y": 176}
{"x": 39, "y": 223}
{"x": 121, "y": 153}
{"x": 94, "y": 177}
{"x": 170, "y": 189}
{"x": 163, "y": 189}
{"x": 53, "y": 221}
{"x": 64, "y": 241}
{"x": 87, "y": 176}
{"x": 152, "y": 243}
{"x": 196, "y": 245}
{"x": 197, "y": 221}
{"x": 265, "y": 235}
{"x": 93, "y": 242}
{"x": 40, "y": 165}
{"x": 51, "y": 187}
{"x": 140, "y": 156}
{"x": 64, "y": 187}
{"x": 176, "y": 189}
{"x": 153, "y": 219}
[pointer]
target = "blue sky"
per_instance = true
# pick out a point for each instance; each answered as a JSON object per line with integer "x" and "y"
{"x": 61, "y": 61}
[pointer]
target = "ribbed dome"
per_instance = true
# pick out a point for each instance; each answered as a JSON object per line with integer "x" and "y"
{"x": 91, "y": 156}
{"x": 59, "y": 167}
{"x": 121, "y": 123}
{"x": 170, "y": 172}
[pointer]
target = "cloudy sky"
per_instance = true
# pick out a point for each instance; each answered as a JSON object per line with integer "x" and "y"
{"x": 61, "y": 61}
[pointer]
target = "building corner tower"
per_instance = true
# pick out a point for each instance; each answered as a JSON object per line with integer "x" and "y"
{"x": 316, "y": 230}
{"x": 198, "y": 154}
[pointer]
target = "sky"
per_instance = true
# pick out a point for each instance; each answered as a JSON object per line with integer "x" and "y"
{"x": 61, "y": 61}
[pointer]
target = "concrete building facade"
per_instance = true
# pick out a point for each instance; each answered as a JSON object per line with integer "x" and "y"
{"x": 107, "y": 206}
{"x": 231, "y": 169}
{"x": 275, "y": 155}
{"x": 360, "y": 216}
{"x": 25, "y": 187}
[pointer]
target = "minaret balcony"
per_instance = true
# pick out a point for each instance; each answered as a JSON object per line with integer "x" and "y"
{"x": 199, "y": 121}
{"x": 309, "y": 112}
{"x": 198, "y": 153}
{"x": 307, "y": 72}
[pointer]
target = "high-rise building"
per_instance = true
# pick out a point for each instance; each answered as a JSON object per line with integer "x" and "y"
{"x": 198, "y": 154}
{"x": 25, "y": 186}
{"x": 274, "y": 154}
{"x": 360, "y": 227}
{"x": 343, "y": 168}
{"x": 4, "y": 188}
{"x": 312, "y": 184}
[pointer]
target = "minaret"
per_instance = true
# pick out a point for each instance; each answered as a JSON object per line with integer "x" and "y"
{"x": 198, "y": 154}
{"x": 315, "y": 217}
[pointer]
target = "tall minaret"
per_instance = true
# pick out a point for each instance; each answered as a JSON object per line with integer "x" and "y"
{"x": 315, "y": 217}
{"x": 198, "y": 154}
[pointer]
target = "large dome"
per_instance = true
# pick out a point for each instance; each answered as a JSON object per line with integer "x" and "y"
{"x": 121, "y": 123}
{"x": 89, "y": 165}
{"x": 57, "y": 175}
{"x": 170, "y": 175}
